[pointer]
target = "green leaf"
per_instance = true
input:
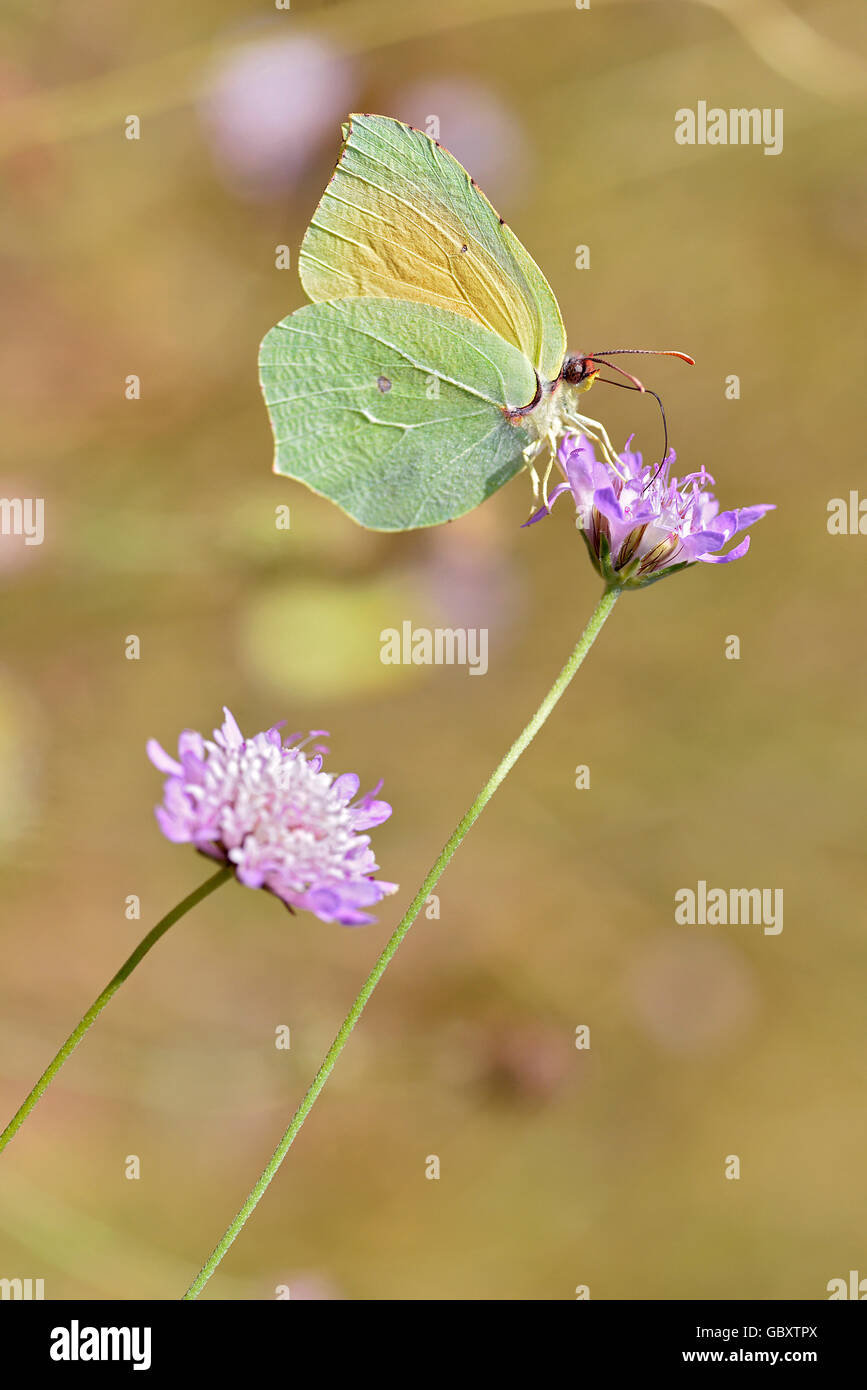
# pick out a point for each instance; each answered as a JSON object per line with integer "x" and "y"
{"x": 393, "y": 410}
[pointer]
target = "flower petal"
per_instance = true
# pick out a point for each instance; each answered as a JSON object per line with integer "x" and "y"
{"x": 370, "y": 813}
{"x": 346, "y": 786}
{"x": 161, "y": 759}
{"x": 739, "y": 550}
{"x": 232, "y": 736}
{"x": 546, "y": 511}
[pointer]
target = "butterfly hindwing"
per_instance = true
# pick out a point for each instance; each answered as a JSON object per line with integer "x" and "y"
{"x": 402, "y": 219}
{"x": 396, "y": 411}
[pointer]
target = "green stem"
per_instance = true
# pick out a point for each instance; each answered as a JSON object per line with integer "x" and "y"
{"x": 588, "y": 637}
{"x": 111, "y": 988}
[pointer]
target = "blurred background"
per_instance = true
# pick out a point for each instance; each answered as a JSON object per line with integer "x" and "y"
{"x": 156, "y": 257}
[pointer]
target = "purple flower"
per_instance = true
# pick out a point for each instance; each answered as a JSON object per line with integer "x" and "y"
{"x": 270, "y": 104}
{"x": 643, "y": 524}
{"x": 266, "y": 807}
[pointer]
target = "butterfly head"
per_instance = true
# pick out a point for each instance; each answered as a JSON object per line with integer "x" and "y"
{"x": 579, "y": 370}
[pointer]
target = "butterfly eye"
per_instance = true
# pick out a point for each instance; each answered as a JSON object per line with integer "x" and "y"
{"x": 577, "y": 368}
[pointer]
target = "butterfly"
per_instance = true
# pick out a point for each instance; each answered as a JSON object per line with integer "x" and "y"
{"x": 431, "y": 365}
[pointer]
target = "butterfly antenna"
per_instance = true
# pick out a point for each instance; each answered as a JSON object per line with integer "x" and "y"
{"x": 647, "y": 391}
{"x": 646, "y": 352}
{"x": 651, "y": 352}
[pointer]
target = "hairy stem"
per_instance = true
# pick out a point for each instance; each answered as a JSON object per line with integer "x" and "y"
{"x": 114, "y": 984}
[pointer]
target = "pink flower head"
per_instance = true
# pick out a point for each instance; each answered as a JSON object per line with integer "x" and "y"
{"x": 641, "y": 524}
{"x": 266, "y": 807}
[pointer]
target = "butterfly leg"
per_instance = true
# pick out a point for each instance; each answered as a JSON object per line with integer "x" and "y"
{"x": 552, "y": 459}
{"x": 598, "y": 433}
{"x": 548, "y": 442}
{"x": 534, "y": 479}
{"x": 530, "y": 455}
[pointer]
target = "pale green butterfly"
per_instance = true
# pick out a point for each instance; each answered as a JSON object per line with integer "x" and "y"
{"x": 431, "y": 366}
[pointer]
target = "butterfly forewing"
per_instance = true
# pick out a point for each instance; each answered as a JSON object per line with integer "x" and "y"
{"x": 401, "y": 219}
{"x": 396, "y": 411}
